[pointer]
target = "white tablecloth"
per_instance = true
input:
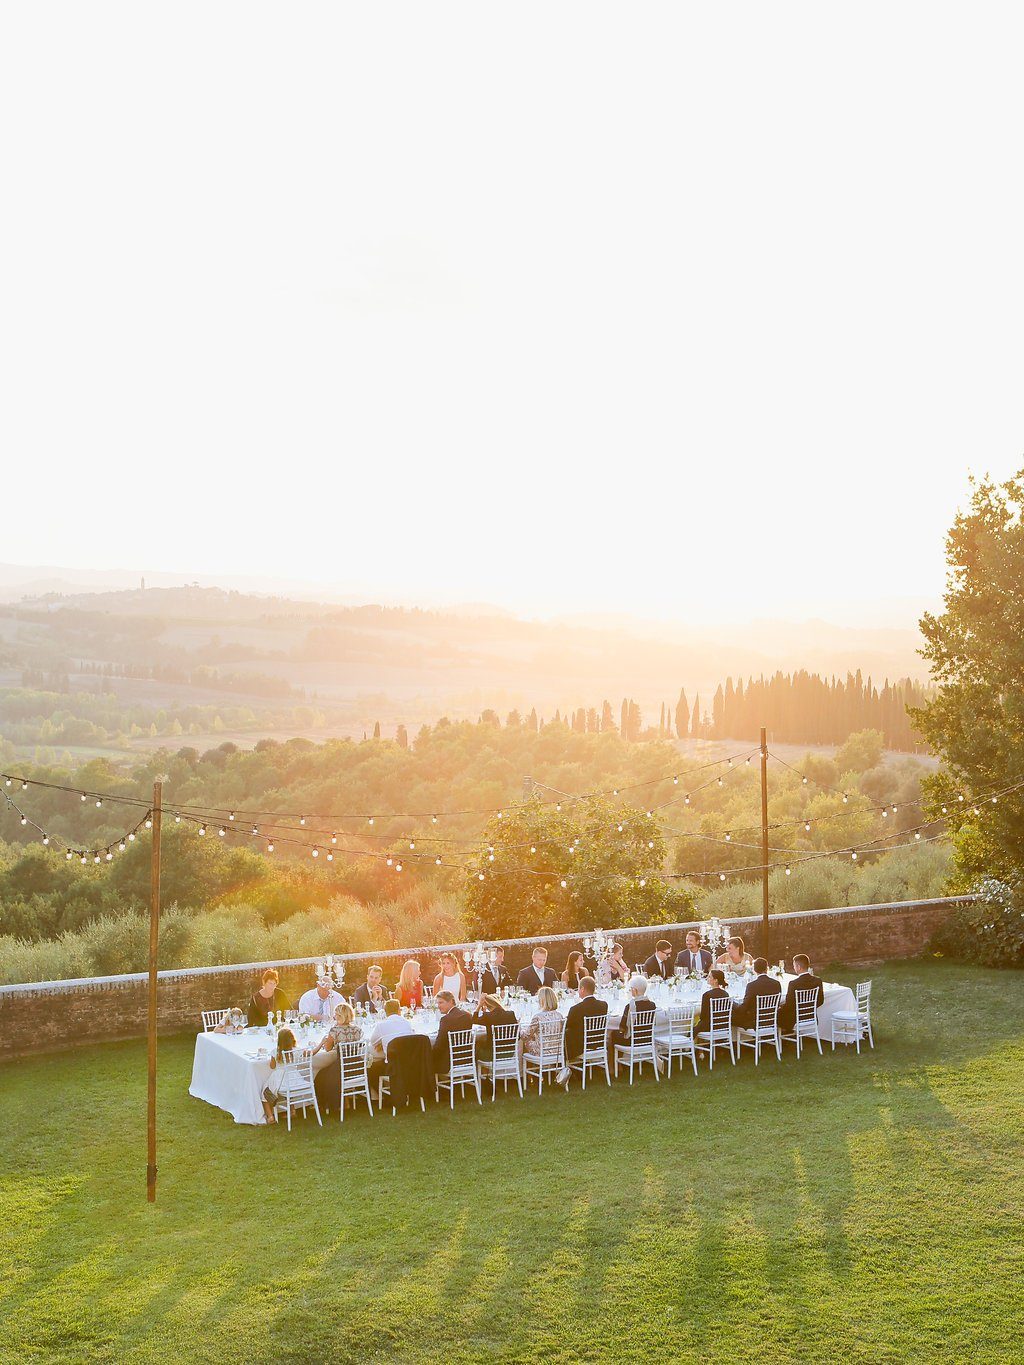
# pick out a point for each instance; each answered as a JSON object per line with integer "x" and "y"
{"x": 228, "y": 1072}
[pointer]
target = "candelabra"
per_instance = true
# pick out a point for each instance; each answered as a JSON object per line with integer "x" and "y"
{"x": 598, "y": 945}
{"x": 714, "y": 935}
{"x": 479, "y": 960}
{"x": 330, "y": 972}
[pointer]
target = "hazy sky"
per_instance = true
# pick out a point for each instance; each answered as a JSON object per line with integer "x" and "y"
{"x": 704, "y": 311}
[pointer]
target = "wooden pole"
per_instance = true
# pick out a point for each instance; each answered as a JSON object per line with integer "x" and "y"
{"x": 154, "y": 943}
{"x": 765, "y": 936}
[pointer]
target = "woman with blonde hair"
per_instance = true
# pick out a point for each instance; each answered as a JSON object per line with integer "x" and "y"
{"x": 410, "y": 985}
{"x": 451, "y": 977}
{"x": 547, "y": 1013}
{"x": 735, "y": 961}
{"x": 343, "y": 1030}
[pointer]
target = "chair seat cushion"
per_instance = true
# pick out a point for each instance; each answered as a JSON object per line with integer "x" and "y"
{"x": 846, "y": 1015}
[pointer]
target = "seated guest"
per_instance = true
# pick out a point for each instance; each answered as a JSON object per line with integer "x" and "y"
{"x": 490, "y": 1013}
{"x": 638, "y": 1007}
{"x": 547, "y": 1013}
{"x": 716, "y": 977}
{"x": 272, "y": 1090}
{"x": 614, "y": 968}
{"x": 343, "y": 1030}
{"x": 537, "y": 974}
{"x": 575, "y": 971}
{"x": 693, "y": 958}
{"x": 371, "y": 993}
{"x": 391, "y": 1025}
{"x": 735, "y": 961}
{"x": 321, "y": 1001}
{"x": 452, "y": 1020}
{"x": 410, "y": 985}
{"x": 744, "y": 1015}
{"x": 451, "y": 977}
{"x": 497, "y": 976}
{"x": 586, "y": 1007}
{"x": 268, "y": 997}
{"x": 657, "y": 963}
{"x": 804, "y": 980}
{"x": 232, "y": 1021}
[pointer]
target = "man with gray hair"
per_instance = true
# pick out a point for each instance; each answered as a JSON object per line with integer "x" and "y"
{"x": 637, "y": 1007}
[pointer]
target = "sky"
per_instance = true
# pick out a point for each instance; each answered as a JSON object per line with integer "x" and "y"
{"x": 699, "y": 312}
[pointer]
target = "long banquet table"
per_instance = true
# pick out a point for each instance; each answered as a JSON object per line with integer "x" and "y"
{"x": 231, "y": 1071}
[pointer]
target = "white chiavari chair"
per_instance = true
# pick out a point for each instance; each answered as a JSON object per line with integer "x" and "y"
{"x": 766, "y": 1027}
{"x": 504, "y": 1060}
{"x": 462, "y": 1069}
{"x": 211, "y": 1019}
{"x": 595, "y": 1048}
{"x": 296, "y": 1090}
{"x": 640, "y": 1048}
{"x": 550, "y": 1055}
{"x": 805, "y": 1020}
{"x": 850, "y": 1026}
{"x": 353, "y": 1064}
{"x": 677, "y": 1040}
{"x": 720, "y": 1032}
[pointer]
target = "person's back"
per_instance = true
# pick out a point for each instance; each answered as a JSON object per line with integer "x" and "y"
{"x": 587, "y": 1007}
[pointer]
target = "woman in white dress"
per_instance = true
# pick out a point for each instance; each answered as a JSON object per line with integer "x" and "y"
{"x": 451, "y": 977}
{"x": 735, "y": 961}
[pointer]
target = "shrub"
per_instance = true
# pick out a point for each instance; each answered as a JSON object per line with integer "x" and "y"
{"x": 989, "y": 931}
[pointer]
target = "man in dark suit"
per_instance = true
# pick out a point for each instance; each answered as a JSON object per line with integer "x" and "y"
{"x": 539, "y": 974}
{"x": 371, "y": 992}
{"x": 744, "y": 1014}
{"x": 452, "y": 1019}
{"x": 717, "y": 992}
{"x": 657, "y": 963}
{"x": 694, "y": 958}
{"x": 496, "y": 977}
{"x": 804, "y": 980}
{"x": 585, "y": 1008}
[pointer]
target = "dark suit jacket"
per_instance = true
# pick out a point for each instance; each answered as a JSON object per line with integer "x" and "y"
{"x": 495, "y": 979}
{"x": 529, "y": 980}
{"x": 744, "y": 1015}
{"x": 638, "y": 1009}
{"x": 683, "y": 960}
{"x": 583, "y": 1009}
{"x": 410, "y": 1072}
{"x": 451, "y": 1022}
{"x": 655, "y": 967}
{"x": 704, "y": 1022}
{"x": 361, "y": 996}
{"x": 806, "y": 982}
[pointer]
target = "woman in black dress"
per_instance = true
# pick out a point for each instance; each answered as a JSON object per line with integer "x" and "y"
{"x": 268, "y": 997}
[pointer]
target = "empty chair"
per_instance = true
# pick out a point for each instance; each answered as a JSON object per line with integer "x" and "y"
{"x": 720, "y": 1032}
{"x": 677, "y": 1039}
{"x": 805, "y": 1020}
{"x": 640, "y": 1048}
{"x": 850, "y": 1026}
{"x": 503, "y": 1064}
{"x": 595, "y": 1048}
{"x": 550, "y": 1055}
{"x": 461, "y": 1065}
{"x": 296, "y": 1090}
{"x": 355, "y": 1082}
{"x": 766, "y": 1027}
{"x": 211, "y": 1018}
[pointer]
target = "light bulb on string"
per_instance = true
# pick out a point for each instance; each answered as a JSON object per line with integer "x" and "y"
{"x": 68, "y": 855}
{"x": 110, "y": 856}
{"x": 302, "y": 819}
{"x": 564, "y": 884}
{"x": 131, "y": 837}
{"x": 202, "y": 829}
{"x": 675, "y": 781}
{"x": 437, "y": 861}
{"x": 642, "y": 882}
{"x": 231, "y": 816}
{"x": 149, "y": 823}
{"x": 177, "y": 821}
{"x": 650, "y": 843}
{"x": 84, "y": 860}
{"x": 330, "y": 856}
{"x": 728, "y": 838}
{"x": 253, "y": 832}
{"x": 270, "y": 847}
{"x": 315, "y": 852}
{"x": 721, "y": 781}
{"x": 917, "y": 834}
{"x": 122, "y": 845}
{"x": 412, "y": 843}
{"x": 222, "y": 831}
{"x": 687, "y": 801}
{"x": 433, "y": 819}
{"x": 398, "y": 867}
{"x": 846, "y": 799}
{"x": 46, "y": 838}
{"x": 480, "y": 876}
{"x": 390, "y": 860}
{"x": 805, "y": 781}
{"x": 558, "y": 805}
{"x": 807, "y": 826}
{"x": 334, "y": 838}
{"x": 994, "y": 800}
{"x": 789, "y": 871}
{"x": 721, "y": 876}
{"x": 853, "y": 855}
{"x": 99, "y": 802}
{"x": 533, "y": 848}
{"x": 24, "y": 819}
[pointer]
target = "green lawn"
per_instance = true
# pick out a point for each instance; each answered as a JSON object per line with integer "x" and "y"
{"x": 836, "y": 1209}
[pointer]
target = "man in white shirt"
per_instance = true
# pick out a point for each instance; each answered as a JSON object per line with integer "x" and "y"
{"x": 320, "y": 1003}
{"x": 390, "y": 1027}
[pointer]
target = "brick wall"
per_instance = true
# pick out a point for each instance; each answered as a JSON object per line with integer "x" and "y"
{"x": 48, "y": 1015}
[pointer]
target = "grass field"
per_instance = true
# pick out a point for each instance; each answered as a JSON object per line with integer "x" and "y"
{"x": 837, "y": 1209}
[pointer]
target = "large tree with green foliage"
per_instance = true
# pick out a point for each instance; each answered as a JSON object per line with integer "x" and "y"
{"x": 608, "y": 855}
{"x": 976, "y": 651}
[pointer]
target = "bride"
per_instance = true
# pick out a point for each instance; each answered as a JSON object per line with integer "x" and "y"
{"x": 736, "y": 961}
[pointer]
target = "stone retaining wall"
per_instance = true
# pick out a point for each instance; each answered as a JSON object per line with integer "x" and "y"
{"x": 47, "y": 1015}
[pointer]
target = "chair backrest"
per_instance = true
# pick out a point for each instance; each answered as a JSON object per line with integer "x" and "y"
{"x": 721, "y": 1013}
{"x": 211, "y": 1018}
{"x": 298, "y": 1071}
{"x": 462, "y": 1049}
{"x": 641, "y": 1027}
{"x": 680, "y": 1021}
{"x": 595, "y": 1032}
{"x": 504, "y": 1040}
{"x": 768, "y": 1010}
{"x": 863, "y": 996}
{"x": 806, "y": 1005}
{"x": 352, "y": 1060}
{"x": 550, "y": 1039}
